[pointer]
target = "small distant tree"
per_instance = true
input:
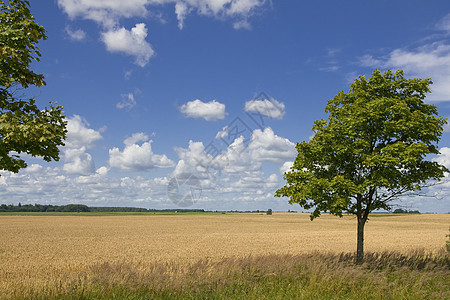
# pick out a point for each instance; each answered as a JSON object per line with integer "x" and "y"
{"x": 269, "y": 212}
{"x": 370, "y": 151}
{"x": 24, "y": 127}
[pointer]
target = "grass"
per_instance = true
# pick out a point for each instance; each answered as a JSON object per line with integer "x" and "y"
{"x": 387, "y": 275}
{"x": 237, "y": 256}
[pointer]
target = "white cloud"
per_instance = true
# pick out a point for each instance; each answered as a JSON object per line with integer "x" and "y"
{"x": 269, "y": 108}
{"x": 429, "y": 60}
{"x": 79, "y": 162}
{"x": 51, "y": 186}
{"x": 233, "y": 176}
{"x": 444, "y": 24}
{"x": 444, "y": 157}
{"x": 194, "y": 160}
{"x": 239, "y": 167}
{"x": 78, "y": 133}
{"x": 223, "y": 133}
{"x": 238, "y": 158}
{"x": 226, "y": 176}
{"x": 136, "y": 138}
{"x": 108, "y": 12}
{"x": 286, "y": 167}
{"x": 267, "y": 146}
{"x": 251, "y": 188}
{"x": 79, "y": 139}
{"x": 102, "y": 171}
{"x": 104, "y": 12}
{"x": 127, "y": 102}
{"x": 75, "y": 35}
{"x": 137, "y": 157}
{"x": 243, "y": 24}
{"x": 181, "y": 10}
{"x": 131, "y": 42}
{"x": 210, "y": 111}
{"x": 34, "y": 168}
{"x": 234, "y": 9}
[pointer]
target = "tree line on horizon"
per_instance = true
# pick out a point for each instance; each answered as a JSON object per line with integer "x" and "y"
{"x": 82, "y": 208}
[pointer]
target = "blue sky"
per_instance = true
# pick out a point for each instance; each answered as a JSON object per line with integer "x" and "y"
{"x": 157, "y": 90}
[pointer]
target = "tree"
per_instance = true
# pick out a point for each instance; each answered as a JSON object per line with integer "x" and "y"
{"x": 24, "y": 128}
{"x": 370, "y": 151}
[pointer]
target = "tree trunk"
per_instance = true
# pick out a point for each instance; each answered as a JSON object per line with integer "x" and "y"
{"x": 360, "y": 241}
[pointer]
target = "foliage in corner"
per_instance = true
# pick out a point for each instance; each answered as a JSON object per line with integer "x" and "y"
{"x": 24, "y": 127}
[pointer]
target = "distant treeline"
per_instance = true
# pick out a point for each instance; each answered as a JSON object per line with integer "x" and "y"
{"x": 405, "y": 211}
{"x": 82, "y": 208}
{"x": 85, "y": 208}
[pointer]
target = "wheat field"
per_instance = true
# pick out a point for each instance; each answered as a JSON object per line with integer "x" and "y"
{"x": 46, "y": 252}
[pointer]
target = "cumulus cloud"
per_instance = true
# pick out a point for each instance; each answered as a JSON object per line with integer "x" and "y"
{"x": 250, "y": 188}
{"x": 102, "y": 171}
{"x": 106, "y": 13}
{"x": 269, "y": 147}
{"x": 234, "y": 9}
{"x": 79, "y": 138}
{"x": 428, "y": 60}
{"x": 237, "y": 168}
{"x": 52, "y": 186}
{"x": 269, "y": 108}
{"x": 238, "y": 158}
{"x": 78, "y": 162}
{"x": 195, "y": 160}
{"x": 135, "y": 138}
{"x": 229, "y": 174}
{"x": 33, "y": 169}
{"x": 444, "y": 157}
{"x": 127, "y": 102}
{"x": 78, "y": 133}
{"x": 131, "y": 42}
{"x": 135, "y": 157}
{"x": 109, "y": 12}
{"x": 75, "y": 35}
{"x": 210, "y": 111}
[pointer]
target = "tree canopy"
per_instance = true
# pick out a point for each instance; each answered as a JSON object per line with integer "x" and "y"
{"x": 24, "y": 127}
{"x": 372, "y": 149}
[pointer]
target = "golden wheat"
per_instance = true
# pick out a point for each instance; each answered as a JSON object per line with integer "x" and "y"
{"x": 51, "y": 252}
